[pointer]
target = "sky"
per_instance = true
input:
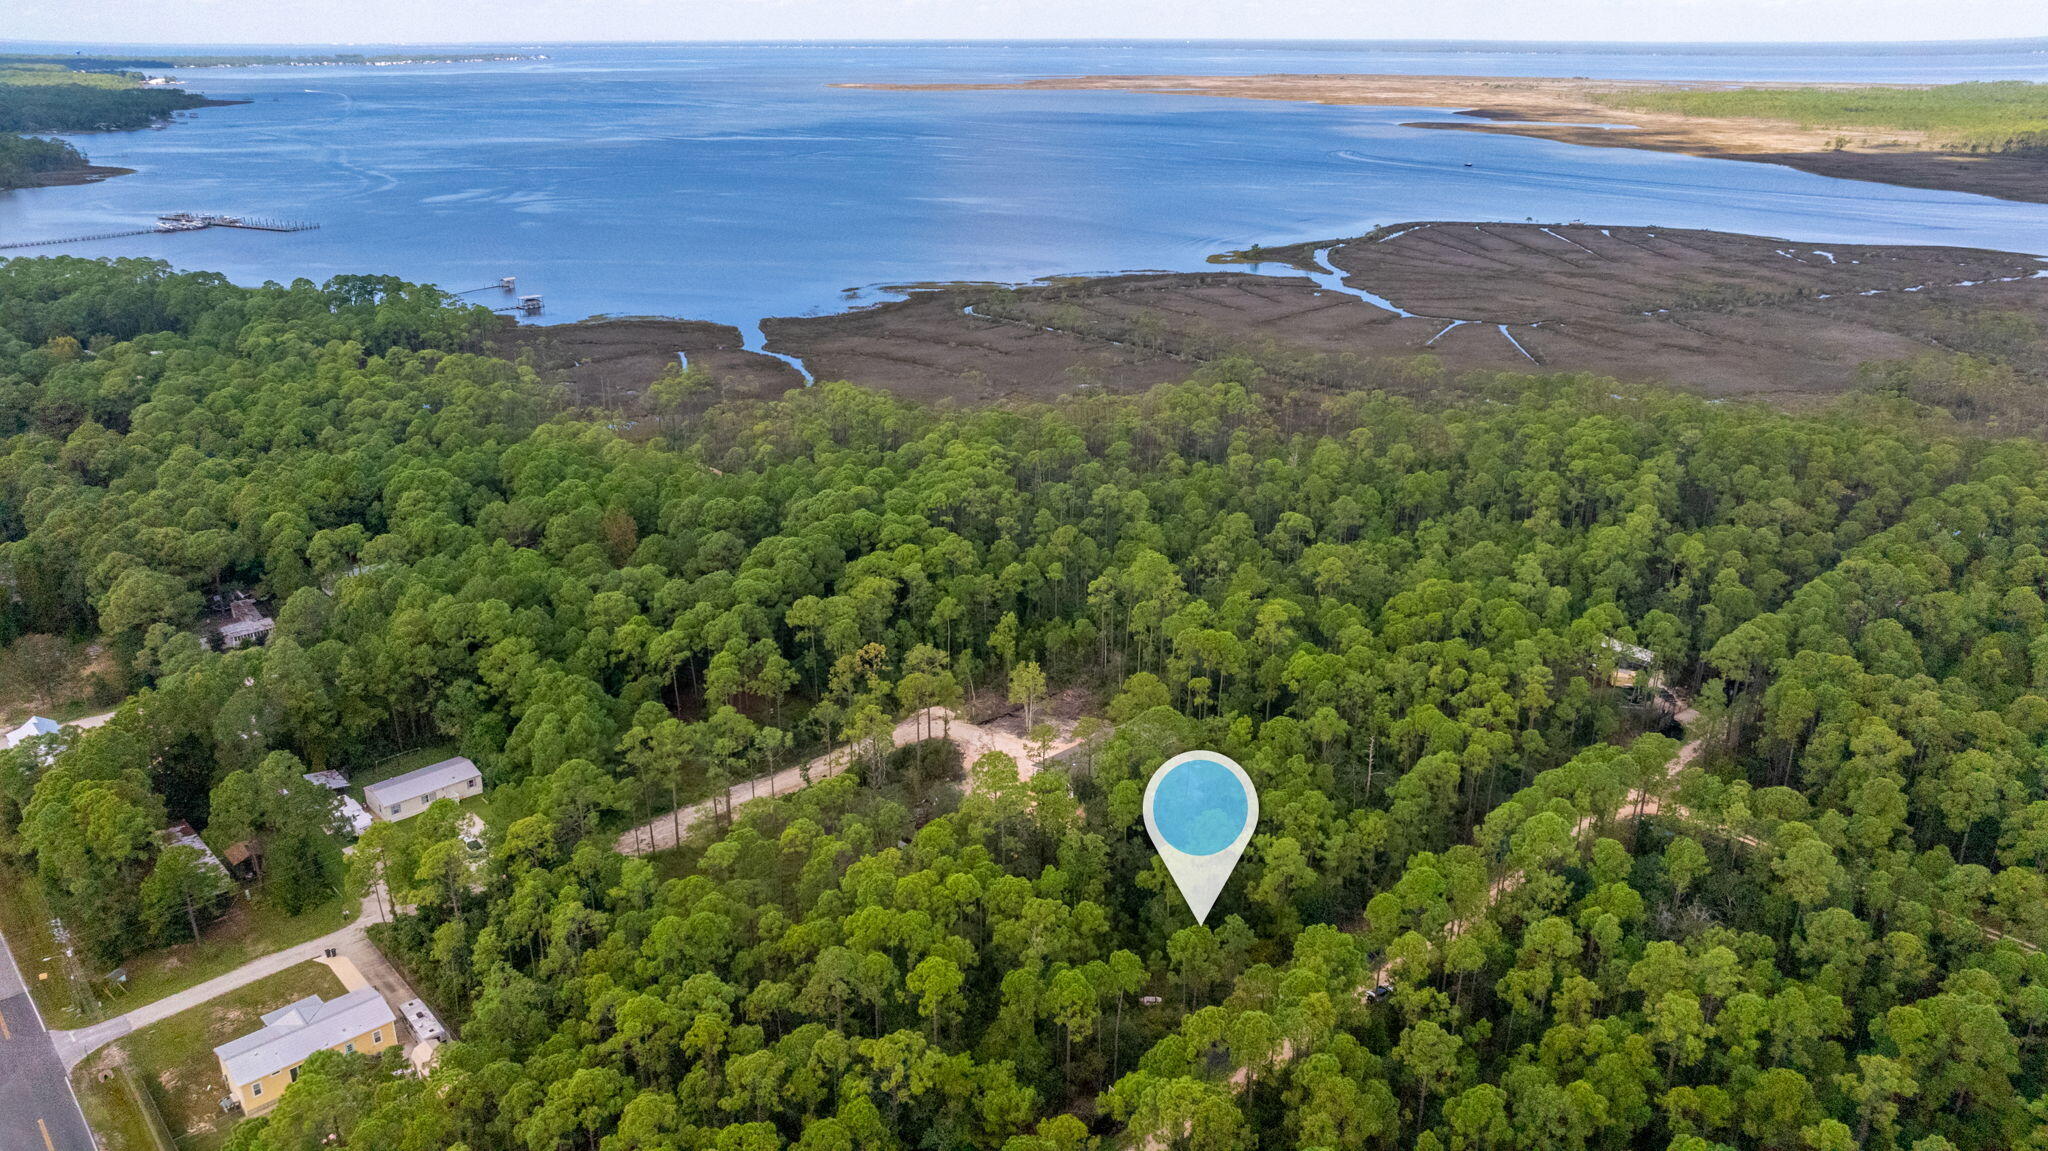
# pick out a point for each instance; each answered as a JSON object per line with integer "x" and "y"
{"x": 519, "y": 21}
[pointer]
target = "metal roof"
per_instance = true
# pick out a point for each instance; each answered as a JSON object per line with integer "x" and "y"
{"x": 36, "y": 727}
{"x": 1628, "y": 650}
{"x": 357, "y": 815}
{"x": 425, "y": 781}
{"x": 180, "y": 834}
{"x": 292, "y": 1033}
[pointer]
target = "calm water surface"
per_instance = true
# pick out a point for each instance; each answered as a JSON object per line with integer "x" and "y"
{"x": 731, "y": 182}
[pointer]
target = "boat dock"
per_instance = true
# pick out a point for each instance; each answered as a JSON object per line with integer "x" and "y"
{"x": 194, "y": 221}
{"x": 179, "y": 222}
{"x": 82, "y": 239}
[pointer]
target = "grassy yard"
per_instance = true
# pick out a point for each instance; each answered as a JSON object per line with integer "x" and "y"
{"x": 175, "y": 1062}
{"x": 247, "y": 931}
{"x": 488, "y": 807}
{"x": 17, "y": 713}
{"x": 399, "y": 764}
{"x": 113, "y": 1110}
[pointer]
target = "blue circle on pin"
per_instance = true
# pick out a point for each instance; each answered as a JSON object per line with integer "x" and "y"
{"x": 1200, "y": 807}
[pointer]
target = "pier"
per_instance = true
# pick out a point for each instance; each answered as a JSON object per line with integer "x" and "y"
{"x": 179, "y": 222}
{"x": 195, "y": 221}
{"x": 82, "y": 239}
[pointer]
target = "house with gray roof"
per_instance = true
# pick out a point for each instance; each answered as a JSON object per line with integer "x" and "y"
{"x": 404, "y": 796}
{"x": 260, "y": 1065}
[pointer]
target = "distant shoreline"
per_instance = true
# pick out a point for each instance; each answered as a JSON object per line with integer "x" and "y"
{"x": 1564, "y": 110}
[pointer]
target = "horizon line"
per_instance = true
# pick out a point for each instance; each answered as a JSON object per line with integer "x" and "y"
{"x": 358, "y": 45}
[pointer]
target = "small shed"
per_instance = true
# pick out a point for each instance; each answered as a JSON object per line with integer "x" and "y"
{"x": 241, "y": 860}
{"x": 407, "y": 795}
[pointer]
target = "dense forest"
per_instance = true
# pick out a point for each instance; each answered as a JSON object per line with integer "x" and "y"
{"x": 45, "y": 98}
{"x": 39, "y": 103}
{"x": 1823, "y": 935}
{"x": 1979, "y": 116}
{"x": 25, "y": 160}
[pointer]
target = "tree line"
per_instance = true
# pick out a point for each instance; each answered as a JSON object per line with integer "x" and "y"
{"x": 1394, "y": 614}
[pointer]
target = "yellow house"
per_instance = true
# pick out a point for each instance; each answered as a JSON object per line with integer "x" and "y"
{"x": 261, "y": 1064}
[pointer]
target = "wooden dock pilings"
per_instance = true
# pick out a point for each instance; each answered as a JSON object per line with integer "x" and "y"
{"x": 82, "y": 239}
{"x": 179, "y": 222}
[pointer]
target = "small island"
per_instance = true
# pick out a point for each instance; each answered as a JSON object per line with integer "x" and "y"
{"x": 1988, "y": 138}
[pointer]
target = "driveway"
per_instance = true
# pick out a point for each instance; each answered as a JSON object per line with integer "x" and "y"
{"x": 74, "y": 1046}
{"x": 663, "y": 832}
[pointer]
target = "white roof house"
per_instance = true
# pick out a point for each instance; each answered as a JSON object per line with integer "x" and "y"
{"x": 291, "y": 1034}
{"x": 409, "y": 794}
{"x": 330, "y": 779}
{"x": 358, "y": 817}
{"x": 36, "y": 727}
{"x": 1630, "y": 653}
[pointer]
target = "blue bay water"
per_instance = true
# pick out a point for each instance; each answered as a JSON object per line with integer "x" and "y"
{"x": 732, "y": 182}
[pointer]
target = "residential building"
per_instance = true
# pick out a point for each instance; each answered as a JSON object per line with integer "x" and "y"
{"x": 1630, "y": 663}
{"x": 37, "y": 727}
{"x": 246, "y": 622}
{"x": 181, "y": 834}
{"x": 260, "y": 1065}
{"x": 403, "y": 796}
{"x": 352, "y": 813}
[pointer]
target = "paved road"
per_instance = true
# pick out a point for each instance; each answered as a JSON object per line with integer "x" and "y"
{"x": 73, "y": 1046}
{"x": 38, "y": 1112}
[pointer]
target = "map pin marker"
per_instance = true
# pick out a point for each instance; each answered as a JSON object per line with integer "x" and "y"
{"x": 1200, "y": 809}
